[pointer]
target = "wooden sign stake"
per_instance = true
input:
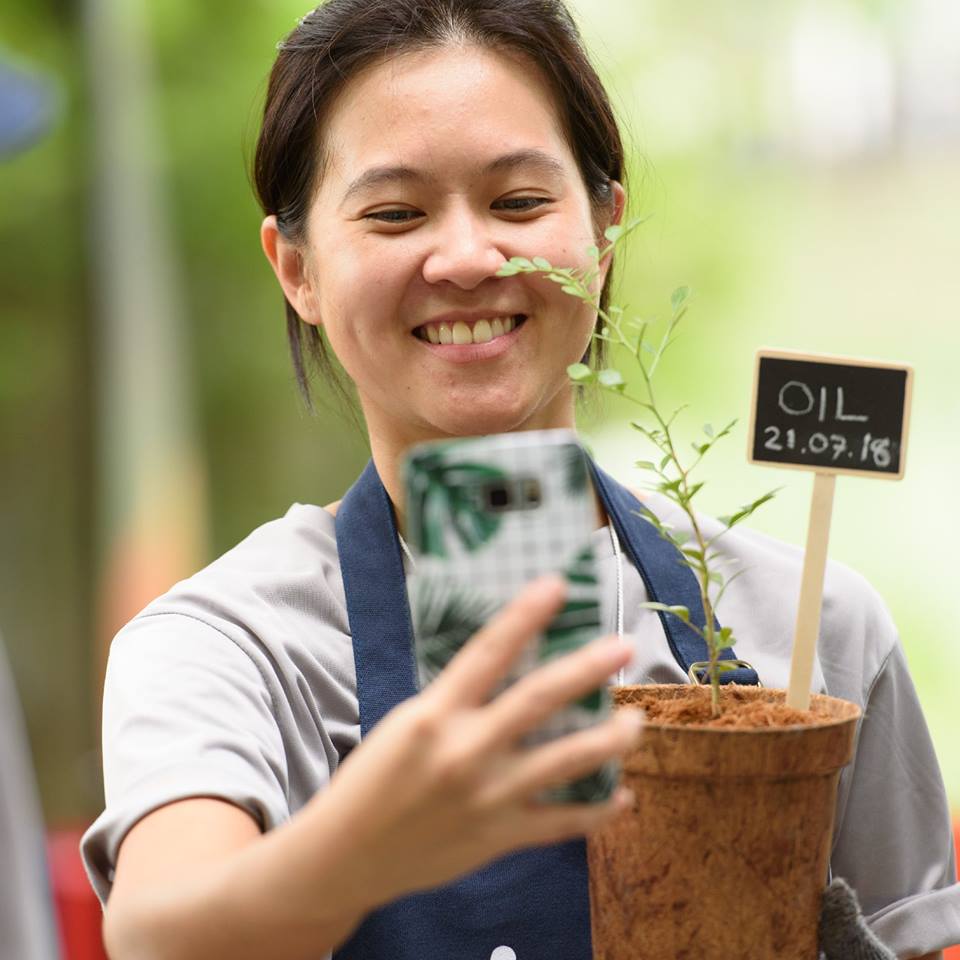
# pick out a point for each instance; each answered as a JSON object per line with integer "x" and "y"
{"x": 827, "y": 415}
{"x": 811, "y": 591}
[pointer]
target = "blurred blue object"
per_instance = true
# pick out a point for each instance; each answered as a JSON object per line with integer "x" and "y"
{"x": 27, "y": 107}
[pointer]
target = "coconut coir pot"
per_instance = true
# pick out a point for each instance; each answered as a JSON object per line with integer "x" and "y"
{"x": 725, "y": 851}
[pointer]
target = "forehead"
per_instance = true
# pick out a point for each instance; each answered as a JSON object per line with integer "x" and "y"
{"x": 442, "y": 106}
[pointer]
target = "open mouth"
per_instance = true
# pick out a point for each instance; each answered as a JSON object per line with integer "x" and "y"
{"x": 475, "y": 331}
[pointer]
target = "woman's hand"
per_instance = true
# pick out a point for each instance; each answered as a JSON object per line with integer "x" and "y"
{"x": 441, "y": 785}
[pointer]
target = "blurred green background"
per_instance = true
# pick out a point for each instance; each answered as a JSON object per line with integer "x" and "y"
{"x": 799, "y": 161}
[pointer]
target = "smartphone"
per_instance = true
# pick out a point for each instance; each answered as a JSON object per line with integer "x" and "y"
{"x": 484, "y": 516}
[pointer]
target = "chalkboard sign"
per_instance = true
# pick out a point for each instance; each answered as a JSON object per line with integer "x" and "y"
{"x": 830, "y": 414}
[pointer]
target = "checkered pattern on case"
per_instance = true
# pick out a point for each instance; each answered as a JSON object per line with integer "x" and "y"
{"x": 554, "y": 537}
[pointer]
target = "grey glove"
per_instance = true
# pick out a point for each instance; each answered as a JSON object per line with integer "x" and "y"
{"x": 843, "y": 932}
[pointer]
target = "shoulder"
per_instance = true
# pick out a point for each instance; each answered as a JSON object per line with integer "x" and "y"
{"x": 279, "y": 585}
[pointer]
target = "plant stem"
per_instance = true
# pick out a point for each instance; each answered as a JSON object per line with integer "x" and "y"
{"x": 685, "y": 498}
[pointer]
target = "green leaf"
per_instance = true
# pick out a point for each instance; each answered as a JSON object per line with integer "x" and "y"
{"x": 522, "y": 262}
{"x": 678, "y": 297}
{"x": 645, "y": 465}
{"x": 652, "y": 519}
{"x": 611, "y": 378}
{"x": 749, "y": 508}
{"x": 665, "y": 460}
{"x": 573, "y": 291}
{"x": 635, "y": 222}
{"x": 581, "y": 373}
{"x": 614, "y": 233}
{"x": 508, "y": 270}
{"x": 681, "y": 613}
{"x": 725, "y": 666}
{"x": 557, "y": 278}
{"x": 541, "y": 264}
{"x": 593, "y": 252}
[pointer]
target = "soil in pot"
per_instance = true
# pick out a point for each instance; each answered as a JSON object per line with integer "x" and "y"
{"x": 725, "y": 851}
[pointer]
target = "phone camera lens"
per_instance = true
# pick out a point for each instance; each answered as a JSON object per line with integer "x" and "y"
{"x": 531, "y": 493}
{"x": 498, "y": 497}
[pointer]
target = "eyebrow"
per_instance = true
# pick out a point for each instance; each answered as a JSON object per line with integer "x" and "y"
{"x": 375, "y": 176}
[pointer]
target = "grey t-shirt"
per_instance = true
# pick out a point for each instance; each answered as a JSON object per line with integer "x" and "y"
{"x": 239, "y": 683}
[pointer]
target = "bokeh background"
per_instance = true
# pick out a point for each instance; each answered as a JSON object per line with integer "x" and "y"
{"x": 801, "y": 165}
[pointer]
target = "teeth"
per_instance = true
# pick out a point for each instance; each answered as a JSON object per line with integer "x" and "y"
{"x": 482, "y": 331}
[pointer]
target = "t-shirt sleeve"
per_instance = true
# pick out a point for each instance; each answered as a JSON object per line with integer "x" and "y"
{"x": 894, "y": 843}
{"x": 186, "y": 713}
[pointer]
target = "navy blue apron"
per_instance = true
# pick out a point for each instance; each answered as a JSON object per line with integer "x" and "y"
{"x": 534, "y": 902}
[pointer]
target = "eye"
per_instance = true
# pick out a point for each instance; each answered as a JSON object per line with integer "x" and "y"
{"x": 520, "y": 204}
{"x": 399, "y": 217}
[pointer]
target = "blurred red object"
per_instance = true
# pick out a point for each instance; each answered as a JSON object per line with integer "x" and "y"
{"x": 953, "y": 953}
{"x": 77, "y": 908}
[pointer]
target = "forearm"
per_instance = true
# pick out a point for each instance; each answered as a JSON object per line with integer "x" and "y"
{"x": 292, "y": 893}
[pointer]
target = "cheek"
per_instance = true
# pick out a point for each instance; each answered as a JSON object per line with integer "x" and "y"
{"x": 361, "y": 291}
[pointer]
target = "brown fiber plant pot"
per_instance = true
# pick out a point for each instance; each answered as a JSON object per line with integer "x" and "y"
{"x": 726, "y": 849}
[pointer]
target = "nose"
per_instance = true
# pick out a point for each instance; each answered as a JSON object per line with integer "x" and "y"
{"x": 464, "y": 252}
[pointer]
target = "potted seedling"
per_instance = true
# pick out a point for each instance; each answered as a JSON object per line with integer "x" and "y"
{"x": 725, "y": 852}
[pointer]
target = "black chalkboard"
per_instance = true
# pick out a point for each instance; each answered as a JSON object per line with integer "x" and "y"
{"x": 832, "y": 415}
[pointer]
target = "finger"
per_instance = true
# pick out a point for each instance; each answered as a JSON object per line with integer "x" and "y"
{"x": 484, "y": 661}
{"x": 552, "y": 823}
{"x": 526, "y": 704}
{"x": 567, "y": 758}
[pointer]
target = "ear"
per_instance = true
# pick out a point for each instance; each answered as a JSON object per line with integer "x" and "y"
{"x": 619, "y": 202}
{"x": 288, "y": 265}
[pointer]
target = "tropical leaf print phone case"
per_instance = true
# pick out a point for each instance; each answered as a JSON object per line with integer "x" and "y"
{"x": 485, "y": 515}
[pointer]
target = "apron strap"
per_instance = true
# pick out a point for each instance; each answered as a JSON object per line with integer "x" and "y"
{"x": 375, "y": 586}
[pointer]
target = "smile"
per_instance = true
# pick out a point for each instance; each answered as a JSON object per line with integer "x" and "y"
{"x": 461, "y": 332}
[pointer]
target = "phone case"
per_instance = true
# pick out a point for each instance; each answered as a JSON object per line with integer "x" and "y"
{"x": 485, "y": 515}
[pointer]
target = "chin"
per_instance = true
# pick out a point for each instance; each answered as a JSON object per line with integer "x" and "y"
{"x": 479, "y": 422}
{"x": 466, "y": 420}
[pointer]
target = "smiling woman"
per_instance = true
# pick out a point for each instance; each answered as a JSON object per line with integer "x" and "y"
{"x": 438, "y": 166}
{"x": 409, "y": 149}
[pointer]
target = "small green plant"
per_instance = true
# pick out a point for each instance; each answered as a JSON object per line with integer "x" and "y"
{"x": 671, "y": 473}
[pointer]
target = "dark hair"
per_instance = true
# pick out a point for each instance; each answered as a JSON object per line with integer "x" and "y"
{"x": 339, "y": 38}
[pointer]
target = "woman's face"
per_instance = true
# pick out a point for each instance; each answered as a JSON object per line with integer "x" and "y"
{"x": 440, "y": 166}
